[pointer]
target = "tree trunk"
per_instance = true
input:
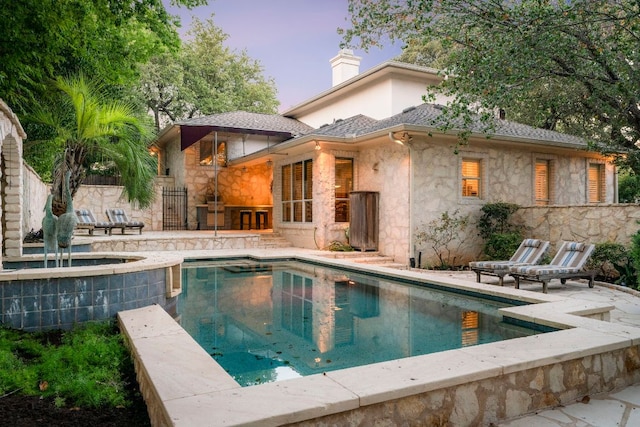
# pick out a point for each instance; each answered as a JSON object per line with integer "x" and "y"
{"x": 74, "y": 158}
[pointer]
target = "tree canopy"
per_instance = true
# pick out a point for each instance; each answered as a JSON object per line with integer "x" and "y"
{"x": 205, "y": 77}
{"x": 571, "y": 66}
{"x": 106, "y": 39}
{"x": 82, "y": 121}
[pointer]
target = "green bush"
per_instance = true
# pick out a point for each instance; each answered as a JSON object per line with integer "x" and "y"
{"x": 628, "y": 188}
{"x": 502, "y": 245}
{"x": 613, "y": 263}
{"x": 634, "y": 254}
{"x": 495, "y": 219}
{"x": 501, "y": 236}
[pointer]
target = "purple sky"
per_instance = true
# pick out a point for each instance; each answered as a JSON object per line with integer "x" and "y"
{"x": 292, "y": 39}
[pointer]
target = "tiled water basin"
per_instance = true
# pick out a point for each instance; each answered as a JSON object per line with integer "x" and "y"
{"x": 265, "y": 322}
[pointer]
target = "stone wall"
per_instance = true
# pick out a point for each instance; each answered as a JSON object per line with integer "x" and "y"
{"x": 11, "y": 181}
{"x": 508, "y": 175}
{"x": 377, "y": 168}
{"x": 99, "y": 198}
{"x": 615, "y": 223}
{"x": 485, "y": 402}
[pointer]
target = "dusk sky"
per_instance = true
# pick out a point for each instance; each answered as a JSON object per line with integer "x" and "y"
{"x": 292, "y": 39}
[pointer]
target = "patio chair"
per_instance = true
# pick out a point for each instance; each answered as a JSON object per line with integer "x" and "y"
{"x": 529, "y": 252}
{"x": 569, "y": 263}
{"x": 87, "y": 221}
{"x": 120, "y": 220}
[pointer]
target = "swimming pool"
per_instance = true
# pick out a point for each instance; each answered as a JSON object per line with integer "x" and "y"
{"x": 265, "y": 322}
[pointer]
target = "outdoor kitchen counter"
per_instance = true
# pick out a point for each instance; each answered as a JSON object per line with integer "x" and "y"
{"x": 232, "y": 215}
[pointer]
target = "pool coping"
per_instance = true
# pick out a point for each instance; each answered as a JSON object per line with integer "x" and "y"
{"x": 184, "y": 386}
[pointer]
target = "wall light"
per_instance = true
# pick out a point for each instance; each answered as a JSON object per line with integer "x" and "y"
{"x": 318, "y": 146}
{"x": 404, "y": 138}
{"x": 269, "y": 163}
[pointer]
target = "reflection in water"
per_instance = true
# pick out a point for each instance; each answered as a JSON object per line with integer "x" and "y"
{"x": 266, "y": 323}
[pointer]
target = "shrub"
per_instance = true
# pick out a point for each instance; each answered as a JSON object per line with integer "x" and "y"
{"x": 444, "y": 236}
{"x": 614, "y": 264}
{"x": 495, "y": 219}
{"x": 634, "y": 254}
{"x": 502, "y": 245}
{"x": 629, "y": 188}
{"x": 501, "y": 237}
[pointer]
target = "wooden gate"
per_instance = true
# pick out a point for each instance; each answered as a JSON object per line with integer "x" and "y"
{"x": 174, "y": 208}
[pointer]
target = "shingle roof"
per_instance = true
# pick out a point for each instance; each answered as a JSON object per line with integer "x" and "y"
{"x": 428, "y": 114}
{"x": 242, "y": 120}
{"x": 346, "y": 127}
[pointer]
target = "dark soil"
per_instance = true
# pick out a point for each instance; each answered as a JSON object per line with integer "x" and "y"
{"x": 30, "y": 411}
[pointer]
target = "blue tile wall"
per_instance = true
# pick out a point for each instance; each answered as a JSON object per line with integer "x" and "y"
{"x": 59, "y": 303}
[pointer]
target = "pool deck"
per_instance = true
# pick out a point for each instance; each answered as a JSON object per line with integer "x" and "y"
{"x": 348, "y": 389}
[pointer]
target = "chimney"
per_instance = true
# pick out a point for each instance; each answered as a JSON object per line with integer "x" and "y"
{"x": 344, "y": 66}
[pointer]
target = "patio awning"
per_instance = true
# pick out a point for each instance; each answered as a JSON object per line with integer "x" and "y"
{"x": 189, "y": 135}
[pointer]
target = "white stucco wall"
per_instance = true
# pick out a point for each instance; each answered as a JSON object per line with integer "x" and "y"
{"x": 381, "y": 99}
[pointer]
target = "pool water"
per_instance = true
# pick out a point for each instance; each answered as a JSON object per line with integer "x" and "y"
{"x": 269, "y": 322}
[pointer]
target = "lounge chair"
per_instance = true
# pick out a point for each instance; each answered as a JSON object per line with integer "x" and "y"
{"x": 87, "y": 221}
{"x": 120, "y": 220}
{"x": 569, "y": 263}
{"x": 529, "y": 252}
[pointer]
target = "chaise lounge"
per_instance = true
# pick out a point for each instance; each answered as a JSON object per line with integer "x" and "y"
{"x": 120, "y": 220}
{"x": 87, "y": 221}
{"x": 529, "y": 252}
{"x": 569, "y": 263}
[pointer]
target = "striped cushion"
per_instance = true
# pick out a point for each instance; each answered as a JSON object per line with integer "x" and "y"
{"x": 494, "y": 265}
{"x": 570, "y": 256}
{"x": 534, "y": 243}
{"x": 85, "y": 216}
{"x": 525, "y": 251}
{"x": 537, "y": 270}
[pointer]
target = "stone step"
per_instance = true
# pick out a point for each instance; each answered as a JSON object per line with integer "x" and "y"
{"x": 272, "y": 241}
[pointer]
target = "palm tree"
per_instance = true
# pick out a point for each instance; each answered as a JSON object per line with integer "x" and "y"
{"x": 85, "y": 123}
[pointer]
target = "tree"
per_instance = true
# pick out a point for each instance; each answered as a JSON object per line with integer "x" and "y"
{"x": 428, "y": 54}
{"x": 106, "y": 39}
{"x": 81, "y": 122}
{"x": 205, "y": 77}
{"x": 572, "y": 66}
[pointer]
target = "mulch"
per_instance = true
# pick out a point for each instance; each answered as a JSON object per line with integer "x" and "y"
{"x": 29, "y": 411}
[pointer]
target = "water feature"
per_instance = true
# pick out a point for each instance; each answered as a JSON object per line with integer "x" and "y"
{"x": 98, "y": 286}
{"x": 264, "y": 322}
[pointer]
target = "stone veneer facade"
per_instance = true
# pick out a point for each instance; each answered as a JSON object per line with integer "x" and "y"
{"x": 484, "y": 402}
{"x": 11, "y": 181}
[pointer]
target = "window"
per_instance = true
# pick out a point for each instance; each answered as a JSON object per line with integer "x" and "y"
{"x": 471, "y": 178}
{"x": 206, "y": 153}
{"x": 297, "y": 305}
{"x": 596, "y": 183}
{"x": 297, "y": 192}
{"x": 344, "y": 185}
{"x": 542, "y": 182}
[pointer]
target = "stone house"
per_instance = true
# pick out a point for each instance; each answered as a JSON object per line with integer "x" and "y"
{"x": 372, "y": 134}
